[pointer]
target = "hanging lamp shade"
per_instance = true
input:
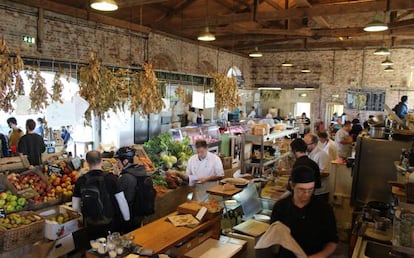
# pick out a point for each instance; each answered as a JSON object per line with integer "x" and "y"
{"x": 382, "y": 51}
{"x": 104, "y": 5}
{"x": 388, "y": 69}
{"x": 387, "y": 62}
{"x": 256, "y": 53}
{"x": 305, "y": 70}
{"x": 286, "y": 63}
{"x": 375, "y": 26}
{"x": 206, "y": 35}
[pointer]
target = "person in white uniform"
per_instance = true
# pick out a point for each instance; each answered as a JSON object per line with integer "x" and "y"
{"x": 203, "y": 170}
{"x": 323, "y": 161}
{"x": 328, "y": 145}
{"x": 252, "y": 113}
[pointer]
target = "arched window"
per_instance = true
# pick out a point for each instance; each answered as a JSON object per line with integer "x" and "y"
{"x": 235, "y": 71}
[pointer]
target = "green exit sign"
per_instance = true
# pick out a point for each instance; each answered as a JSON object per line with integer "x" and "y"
{"x": 29, "y": 40}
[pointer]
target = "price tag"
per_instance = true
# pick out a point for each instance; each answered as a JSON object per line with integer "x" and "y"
{"x": 55, "y": 170}
{"x": 2, "y": 213}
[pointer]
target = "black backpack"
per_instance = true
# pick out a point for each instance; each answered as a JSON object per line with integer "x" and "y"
{"x": 144, "y": 199}
{"x": 96, "y": 203}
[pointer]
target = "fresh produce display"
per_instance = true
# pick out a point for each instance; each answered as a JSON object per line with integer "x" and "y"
{"x": 163, "y": 150}
{"x": 11, "y": 83}
{"x": 16, "y": 220}
{"x": 175, "y": 178}
{"x": 31, "y": 185}
{"x": 142, "y": 159}
{"x": 61, "y": 177}
{"x": 11, "y": 203}
{"x": 63, "y": 217}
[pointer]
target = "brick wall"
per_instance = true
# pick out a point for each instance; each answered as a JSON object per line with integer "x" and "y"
{"x": 70, "y": 38}
{"x": 335, "y": 72}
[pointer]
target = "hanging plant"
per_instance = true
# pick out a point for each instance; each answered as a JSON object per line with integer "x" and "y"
{"x": 11, "y": 83}
{"x": 38, "y": 92}
{"x": 266, "y": 95}
{"x": 226, "y": 91}
{"x": 148, "y": 96}
{"x": 98, "y": 86}
{"x": 57, "y": 87}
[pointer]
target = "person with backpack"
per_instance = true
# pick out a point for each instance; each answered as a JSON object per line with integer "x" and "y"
{"x": 401, "y": 109}
{"x": 98, "y": 196}
{"x": 137, "y": 186}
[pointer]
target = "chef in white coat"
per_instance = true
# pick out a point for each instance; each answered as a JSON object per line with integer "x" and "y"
{"x": 203, "y": 170}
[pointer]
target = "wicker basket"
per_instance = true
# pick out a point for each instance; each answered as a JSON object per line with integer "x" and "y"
{"x": 23, "y": 235}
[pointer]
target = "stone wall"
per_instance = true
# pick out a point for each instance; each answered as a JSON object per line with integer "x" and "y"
{"x": 335, "y": 72}
{"x": 69, "y": 38}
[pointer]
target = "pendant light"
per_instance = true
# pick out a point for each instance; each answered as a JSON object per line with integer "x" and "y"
{"x": 389, "y": 69}
{"x": 104, "y": 5}
{"x": 305, "y": 70}
{"x": 376, "y": 25}
{"x": 256, "y": 53}
{"x": 287, "y": 64}
{"x": 382, "y": 51}
{"x": 206, "y": 35}
{"x": 387, "y": 62}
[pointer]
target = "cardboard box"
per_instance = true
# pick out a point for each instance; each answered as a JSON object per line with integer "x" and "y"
{"x": 62, "y": 246}
{"x": 54, "y": 230}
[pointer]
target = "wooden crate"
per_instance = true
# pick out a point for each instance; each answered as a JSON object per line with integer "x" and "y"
{"x": 18, "y": 163}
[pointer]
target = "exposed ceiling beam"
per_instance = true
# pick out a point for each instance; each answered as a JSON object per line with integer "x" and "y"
{"x": 181, "y": 6}
{"x": 318, "y": 19}
{"x": 132, "y": 3}
{"x": 273, "y": 4}
{"x": 230, "y": 6}
{"x": 402, "y": 24}
{"x": 315, "y": 10}
{"x": 84, "y": 14}
{"x": 404, "y": 14}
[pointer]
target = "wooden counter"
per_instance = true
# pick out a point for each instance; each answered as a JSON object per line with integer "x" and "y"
{"x": 162, "y": 235}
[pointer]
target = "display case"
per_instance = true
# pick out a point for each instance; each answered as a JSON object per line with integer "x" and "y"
{"x": 210, "y": 133}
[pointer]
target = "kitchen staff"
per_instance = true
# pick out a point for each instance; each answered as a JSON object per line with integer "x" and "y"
{"x": 311, "y": 222}
{"x": 203, "y": 169}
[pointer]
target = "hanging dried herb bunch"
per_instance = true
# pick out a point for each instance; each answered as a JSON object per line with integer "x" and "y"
{"x": 11, "y": 84}
{"x": 96, "y": 87}
{"x": 225, "y": 90}
{"x": 38, "y": 92}
{"x": 57, "y": 87}
{"x": 148, "y": 95}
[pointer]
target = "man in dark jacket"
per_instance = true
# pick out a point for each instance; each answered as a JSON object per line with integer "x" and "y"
{"x": 128, "y": 181}
{"x": 4, "y": 146}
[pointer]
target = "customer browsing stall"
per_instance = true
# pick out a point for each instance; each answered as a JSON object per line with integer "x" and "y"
{"x": 203, "y": 169}
{"x": 31, "y": 144}
{"x": 311, "y": 222}
{"x": 344, "y": 141}
{"x": 99, "y": 197}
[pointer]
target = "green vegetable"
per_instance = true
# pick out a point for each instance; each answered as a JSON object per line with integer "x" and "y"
{"x": 159, "y": 180}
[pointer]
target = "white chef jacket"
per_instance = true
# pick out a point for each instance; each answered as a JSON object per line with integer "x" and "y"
{"x": 252, "y": 114}
{"x": 330, "y": 148}
{"x": 322, "y": 159}
{"x": 196, "y": 169}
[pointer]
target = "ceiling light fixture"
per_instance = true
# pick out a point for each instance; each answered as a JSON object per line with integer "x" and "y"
{"x": 305, "y": 70}
{"x": 206, "y": 35}
{"x": 304, "y": 88}
{"x": 388, "y": 69}
{"x": 271, "y": 88}
{"x": 376, "y": 25}
{"x": 382, "y": 51}
{"x": 287, "y": 64}
{"x": 104, "y": 5}
{"x": 256, "y": 53}
{"x": 387, "y": 62}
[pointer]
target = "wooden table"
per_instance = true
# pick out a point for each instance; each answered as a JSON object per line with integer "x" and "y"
{"x": 220, "y": 191}
{"x": 162, "y": 235}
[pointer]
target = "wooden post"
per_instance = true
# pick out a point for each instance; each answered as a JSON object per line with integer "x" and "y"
{"x": 40, "y": 21}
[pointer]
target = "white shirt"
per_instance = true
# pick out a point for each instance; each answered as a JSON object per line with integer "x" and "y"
{"x": 252, "y": 114}
{"x": 322, "y": 159}
{"x": 344, "y": 150}
{"x": 330, "y": 148}
{"x": 196, "y": 169}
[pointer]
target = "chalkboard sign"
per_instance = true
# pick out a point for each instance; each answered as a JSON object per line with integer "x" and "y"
{"x": 2, "y": 213}
{"x": 366, "y": 99}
